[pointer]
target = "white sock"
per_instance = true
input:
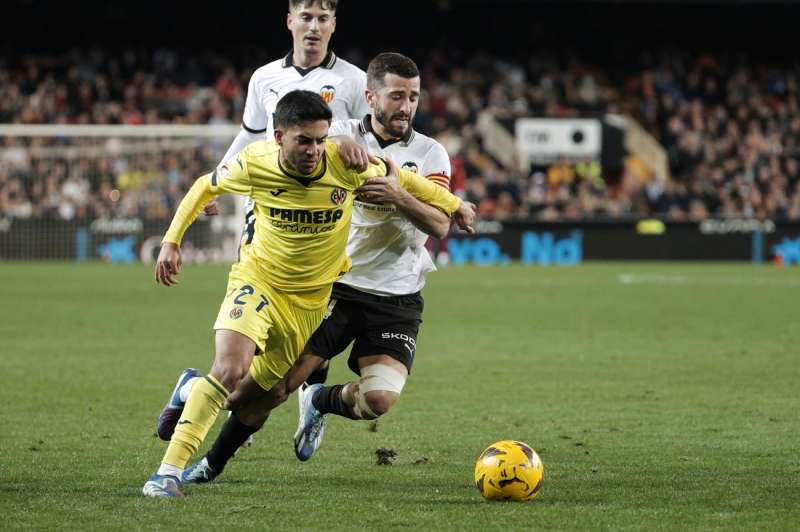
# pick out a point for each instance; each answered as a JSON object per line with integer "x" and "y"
{"x": 186, "y": 389}
{"x": 166, "y": 469}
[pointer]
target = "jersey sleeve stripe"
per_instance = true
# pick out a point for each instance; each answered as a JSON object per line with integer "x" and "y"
{"x": 214, "y": 178}
{"x": 440, "y": 179}
{"x": 253, "y": 131}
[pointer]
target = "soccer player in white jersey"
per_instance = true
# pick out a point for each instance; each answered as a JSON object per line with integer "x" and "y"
{"x": 377, "y": 305}
{"x": 310, "y": 65}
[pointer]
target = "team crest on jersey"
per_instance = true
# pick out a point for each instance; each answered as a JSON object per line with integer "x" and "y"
{"x": 410, "y": 166}
{"x": 328, "y": 93}
{"x": 236, "y": 313}
{"x": 338, "y": 196}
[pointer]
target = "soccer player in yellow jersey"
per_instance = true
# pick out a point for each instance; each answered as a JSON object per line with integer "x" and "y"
{"x": 278, "y": 291}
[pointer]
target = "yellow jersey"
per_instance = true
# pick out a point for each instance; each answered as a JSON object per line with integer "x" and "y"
{"x": 302, "y": 222}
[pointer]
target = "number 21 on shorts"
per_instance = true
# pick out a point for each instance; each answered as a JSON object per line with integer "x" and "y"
{"x": 248, "y": 290}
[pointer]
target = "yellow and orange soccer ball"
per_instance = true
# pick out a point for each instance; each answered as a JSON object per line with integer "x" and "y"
{"x": 509, "y": 470}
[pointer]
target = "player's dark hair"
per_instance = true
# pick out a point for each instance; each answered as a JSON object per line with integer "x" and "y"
{"x": 301, "y": 106}
{"x": 324, "y": 4}
{"x": 389, "y": 63}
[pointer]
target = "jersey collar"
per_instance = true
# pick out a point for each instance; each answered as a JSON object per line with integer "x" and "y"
{"x": 366, "y": 127}
{"x": 327, "y": 62}
{"x": 305, "y": 180}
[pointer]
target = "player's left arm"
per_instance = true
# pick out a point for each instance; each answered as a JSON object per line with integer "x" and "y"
{"x": 421, "y": 188}
{"x": 436, "y": 167}
{"x": 426, "y": 218}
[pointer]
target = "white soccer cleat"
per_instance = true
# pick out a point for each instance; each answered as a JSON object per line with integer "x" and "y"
{"x": 311, "y": 425}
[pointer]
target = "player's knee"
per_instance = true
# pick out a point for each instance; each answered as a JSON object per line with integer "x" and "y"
{"x": 377, "y": 391}
{"x": 232, "y": 358}
{"x": 380, "y": 402}
{"x": 229, "y": 375}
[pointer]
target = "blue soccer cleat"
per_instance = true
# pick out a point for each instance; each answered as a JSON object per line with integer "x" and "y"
{"x": 200, "y": 473}
{"x": 162, "y": 487}
{"x": 311, "y": 425}
{"x": 168, "y": 419}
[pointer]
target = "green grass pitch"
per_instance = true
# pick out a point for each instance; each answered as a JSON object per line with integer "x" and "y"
{"x": 660, "y": 397}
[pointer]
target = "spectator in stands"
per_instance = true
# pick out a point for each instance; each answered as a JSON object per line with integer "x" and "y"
{"x": 732, "y": 133}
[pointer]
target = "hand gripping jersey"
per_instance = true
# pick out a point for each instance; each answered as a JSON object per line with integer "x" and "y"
{"x": 302, "y": 222}
{"x": 387, "y": 251}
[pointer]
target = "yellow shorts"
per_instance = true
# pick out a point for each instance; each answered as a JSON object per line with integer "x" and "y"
{"x": 280, "y": 323}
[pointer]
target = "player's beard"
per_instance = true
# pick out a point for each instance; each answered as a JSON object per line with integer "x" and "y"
{"x": 386, "y": 122}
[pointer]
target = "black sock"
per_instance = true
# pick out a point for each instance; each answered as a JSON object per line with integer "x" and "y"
{"x": 233, "y": 434}
{"x": 328, "y": 400}
{"x": 318, "y": 376}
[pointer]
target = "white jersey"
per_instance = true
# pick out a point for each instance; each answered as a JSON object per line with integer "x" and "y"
{"x": 341, "y": 85}
{"x": 387, "y": 250}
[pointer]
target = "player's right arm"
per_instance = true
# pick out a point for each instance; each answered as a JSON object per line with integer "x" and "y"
{"x": 230, "y": 177}
{"x": 354, "y": 155}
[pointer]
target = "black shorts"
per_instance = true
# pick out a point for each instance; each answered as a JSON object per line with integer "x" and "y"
{"x": 379, "y": 325}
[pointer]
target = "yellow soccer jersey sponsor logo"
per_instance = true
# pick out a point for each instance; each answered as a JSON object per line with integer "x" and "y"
{"x": 305, "y": 221}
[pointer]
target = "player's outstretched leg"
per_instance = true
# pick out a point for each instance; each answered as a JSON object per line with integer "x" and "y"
{"x": 234, "y": 353}
{"x": 250, "y": 405}
{"x": 382, "y": 381}
{"x": 169, "y": 416}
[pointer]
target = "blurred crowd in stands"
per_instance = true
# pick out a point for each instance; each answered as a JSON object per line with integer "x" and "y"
{"x": 731, "y": 130}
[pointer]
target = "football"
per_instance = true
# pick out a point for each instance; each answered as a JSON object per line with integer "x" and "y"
{"x": 509, "y": 470}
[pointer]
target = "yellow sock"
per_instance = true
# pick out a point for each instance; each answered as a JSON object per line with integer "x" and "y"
{"x": 201, "y": 410}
